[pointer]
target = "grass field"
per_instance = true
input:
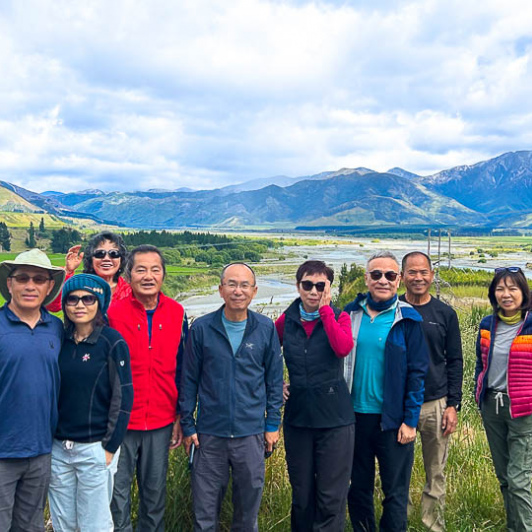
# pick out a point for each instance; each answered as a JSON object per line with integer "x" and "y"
{"x": 474, "y": 502}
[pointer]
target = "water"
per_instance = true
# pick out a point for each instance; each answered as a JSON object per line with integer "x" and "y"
{"x": 276, "y": 292}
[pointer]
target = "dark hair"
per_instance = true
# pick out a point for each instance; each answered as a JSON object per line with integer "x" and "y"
{"x": 144, "y": 248}
{"x": 414, "y": 254}
{"x": 98, "y": 321}
{"x": 312, "y": 267}
{"x": 237, "y": 264}
{"x": 519, "y": 280}
{"x": 92, "y": 246}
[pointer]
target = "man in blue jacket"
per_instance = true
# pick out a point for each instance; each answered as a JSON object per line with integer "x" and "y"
{"x": 233, "y": 372}
{"x": 387, "y": 380}
{"x": 30, "y": 341}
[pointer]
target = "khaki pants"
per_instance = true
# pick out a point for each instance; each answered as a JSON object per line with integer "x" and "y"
{"x": 435, "y": 449}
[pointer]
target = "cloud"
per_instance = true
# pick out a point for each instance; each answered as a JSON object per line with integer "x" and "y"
{"x": 203, "y": 93}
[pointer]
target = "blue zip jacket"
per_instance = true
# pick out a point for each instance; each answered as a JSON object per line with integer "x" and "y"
{"x": 406, "y": 362}
{"x": 237, "y": 395}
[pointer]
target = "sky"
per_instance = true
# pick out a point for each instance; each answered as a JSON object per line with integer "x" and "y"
{"x": 134, "y": 95}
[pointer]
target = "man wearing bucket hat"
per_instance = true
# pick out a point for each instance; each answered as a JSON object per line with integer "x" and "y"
{"x": 30, "y": 341}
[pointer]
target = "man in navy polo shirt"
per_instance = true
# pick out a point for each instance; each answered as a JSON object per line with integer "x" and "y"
{"x": 30, "y": 341}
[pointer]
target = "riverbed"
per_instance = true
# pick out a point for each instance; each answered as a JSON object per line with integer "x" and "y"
{"x": 276, "y": 291}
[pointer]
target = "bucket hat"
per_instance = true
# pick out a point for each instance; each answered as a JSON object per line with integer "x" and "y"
{"x": 39, "y": 259}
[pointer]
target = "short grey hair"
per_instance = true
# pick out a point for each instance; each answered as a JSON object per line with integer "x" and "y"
{"x": 383, "y": 254}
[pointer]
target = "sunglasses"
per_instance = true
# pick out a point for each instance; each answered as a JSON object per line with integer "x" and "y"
{"x": 309, "y": 285}
{"x": 87, "y": 300}
{"x": 101, "y": 253}
{"x": 377, "y": 274}
{"x": 24, "y": 278}
{"x": 511, "y": 269}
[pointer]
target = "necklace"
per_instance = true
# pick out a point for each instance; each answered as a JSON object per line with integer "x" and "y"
{"x": 79, "y": 339}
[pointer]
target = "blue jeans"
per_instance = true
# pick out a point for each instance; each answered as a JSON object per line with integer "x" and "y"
{"x": 81, "y": 487}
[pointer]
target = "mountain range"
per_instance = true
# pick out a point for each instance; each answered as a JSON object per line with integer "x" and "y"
{"x": 495, "y": 193}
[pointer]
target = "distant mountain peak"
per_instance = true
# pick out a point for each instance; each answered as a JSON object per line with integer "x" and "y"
{"x": 402, "y": 173}
{"x": 92, "y": 192}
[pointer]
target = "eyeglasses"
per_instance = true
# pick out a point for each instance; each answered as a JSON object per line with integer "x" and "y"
{"x": 101, "y": 253}
{"x": 243, "y": 286}
{"x": 309, "y": 285}
{"x": 88, "y": 300}
{"x": 24, "y": 278}
{"x": 377, "y": 274}
{"x": 511, "y": 269}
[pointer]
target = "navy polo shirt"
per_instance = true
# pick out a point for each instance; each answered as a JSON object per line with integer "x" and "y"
{"x": 29, "y": 384}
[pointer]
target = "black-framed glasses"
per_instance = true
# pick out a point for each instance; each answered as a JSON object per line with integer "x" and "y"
{"x": 377, "y": 274}
{"x": 101, "y": 253}
{"x": 24, "y": 278}
{"x": 511, "y": 269}
{"x": 309, "y": 285}
{"x": 88, "y": 300}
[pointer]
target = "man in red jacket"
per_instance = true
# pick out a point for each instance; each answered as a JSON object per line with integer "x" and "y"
{"x": 154, "y": 327}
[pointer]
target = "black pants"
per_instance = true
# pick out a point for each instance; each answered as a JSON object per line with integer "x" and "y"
{"x": 319, "y": 467}
{"x": 395, "y": 467}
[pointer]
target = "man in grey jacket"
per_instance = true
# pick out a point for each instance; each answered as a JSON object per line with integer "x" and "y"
{"x": 233, "y": 373}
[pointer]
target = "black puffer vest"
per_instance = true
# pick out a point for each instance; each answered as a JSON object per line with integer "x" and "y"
{"x": 319, "y": 397}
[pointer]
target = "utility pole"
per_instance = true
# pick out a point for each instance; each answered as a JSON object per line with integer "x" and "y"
{"x": 438, "y": 269}
{"x": 428, "y": 243}
{"x": 449, "y": 234}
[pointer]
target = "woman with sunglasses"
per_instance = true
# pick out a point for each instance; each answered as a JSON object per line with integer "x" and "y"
{"x": 503, "y": 390}
{"x": 95, "y": 400}
{"x": 105, "y": 256}
{"x": 318, "y": 421}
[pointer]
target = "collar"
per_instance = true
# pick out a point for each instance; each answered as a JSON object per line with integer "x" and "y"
{"x": 217, "y": 322}
{"x": 391, "y": 308}
{"x": 160, "y": 301}
{"x": 10, "y": 315}
{"x": 91, "y": 339}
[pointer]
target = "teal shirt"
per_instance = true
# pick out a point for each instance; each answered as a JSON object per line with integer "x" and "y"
{"x": 368, "y": 380}
{"x": 235, "y": 332}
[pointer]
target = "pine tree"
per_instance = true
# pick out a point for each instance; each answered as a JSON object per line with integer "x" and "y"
{"x": 5, "y": 237}
{"x": 63, "y": 238}
{"x": 30, "y": 240}
{"x": 42, "y": 229}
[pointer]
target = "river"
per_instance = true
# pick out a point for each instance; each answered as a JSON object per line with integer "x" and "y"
{"x": 276, "y": 291}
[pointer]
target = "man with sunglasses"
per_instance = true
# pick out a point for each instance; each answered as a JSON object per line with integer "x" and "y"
{"x": 443, "y": 384}
{"x": 385, "y": 372}
{"x": 30, "y": 341}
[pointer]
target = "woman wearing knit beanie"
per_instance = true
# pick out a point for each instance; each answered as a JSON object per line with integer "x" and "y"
{"x": 95, "y": 400}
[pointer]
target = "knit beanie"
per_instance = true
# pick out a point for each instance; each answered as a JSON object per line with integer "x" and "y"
{"x": 90, "y": 283}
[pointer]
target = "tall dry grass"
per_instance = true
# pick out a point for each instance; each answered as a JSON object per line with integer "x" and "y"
{"x": 474, "y": 502}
